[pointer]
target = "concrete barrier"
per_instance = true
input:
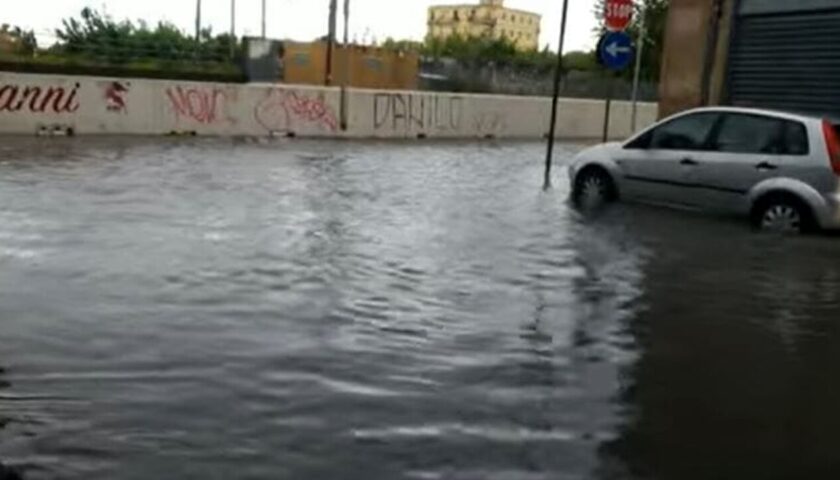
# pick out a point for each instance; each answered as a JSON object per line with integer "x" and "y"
{"x": 53, "y": 104}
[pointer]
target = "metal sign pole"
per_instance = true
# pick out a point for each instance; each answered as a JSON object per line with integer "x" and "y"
{"x": 346, "y": 76}
{"x": 640, "y": 49}
{"x": 263, "y": 18}
{"x": 198, "y": 21}
{"x": 232, "y": 28}
{"x": 549, "y": 156}
{"x": 330, "y": 42}
{"x": 608, "y": 108}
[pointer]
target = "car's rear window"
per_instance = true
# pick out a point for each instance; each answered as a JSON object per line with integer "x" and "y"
{"x": 795, "y": 139}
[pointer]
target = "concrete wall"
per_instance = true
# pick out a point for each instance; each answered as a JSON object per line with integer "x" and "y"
{"x": 30, "y": 104}
{"x": 684, "y": 55}
{"x": 697, "y": 46}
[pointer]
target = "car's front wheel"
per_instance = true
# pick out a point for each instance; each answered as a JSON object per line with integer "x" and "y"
{"x": 783, "y": 214}
{"x": 593, "y": 188}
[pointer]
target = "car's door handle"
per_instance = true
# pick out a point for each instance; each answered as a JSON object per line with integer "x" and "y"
{"x": 766, "y": 166}
{"x": 689, "y": 162}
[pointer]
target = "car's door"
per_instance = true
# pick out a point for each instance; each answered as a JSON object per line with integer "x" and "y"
{"x": 747, "y": 149}
{"x": 659, "y": 165}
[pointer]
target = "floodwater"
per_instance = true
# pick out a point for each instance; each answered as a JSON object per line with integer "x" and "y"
{"x": 231, "y": 309}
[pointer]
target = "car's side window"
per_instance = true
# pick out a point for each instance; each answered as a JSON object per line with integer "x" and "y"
{"x": 690, "y": 132}
{"x": 757, "y": 134}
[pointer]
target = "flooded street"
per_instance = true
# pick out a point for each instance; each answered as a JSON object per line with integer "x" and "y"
{"x": 224, "y": 309}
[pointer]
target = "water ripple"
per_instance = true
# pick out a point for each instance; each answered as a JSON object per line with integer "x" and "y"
{"x": 204, "y": 308}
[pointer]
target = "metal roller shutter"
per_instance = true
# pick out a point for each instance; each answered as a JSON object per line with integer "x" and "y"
{"x": 787, "y": 61}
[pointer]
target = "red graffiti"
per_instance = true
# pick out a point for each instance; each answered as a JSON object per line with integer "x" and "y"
{"x": 199, "y": 104}
{"x": 281, "y": 110}
{"x": 115, "y": 96}
{"x": 14, "y": 98}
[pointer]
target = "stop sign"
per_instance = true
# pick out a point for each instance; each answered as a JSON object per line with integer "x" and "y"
{"x": 617, "y": 14}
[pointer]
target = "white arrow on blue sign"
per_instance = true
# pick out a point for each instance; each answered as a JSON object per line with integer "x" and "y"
{"x": 616, "y": 50}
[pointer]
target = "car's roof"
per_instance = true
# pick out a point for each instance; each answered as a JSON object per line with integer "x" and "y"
{"x": 760, "y": 111}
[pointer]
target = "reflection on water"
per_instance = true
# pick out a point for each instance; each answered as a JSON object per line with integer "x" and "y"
{"x": 6, "y": 473}
{"x": 216, "y": 309}
{"x": 736, "y": 341}
{"x": 3, "y": 385}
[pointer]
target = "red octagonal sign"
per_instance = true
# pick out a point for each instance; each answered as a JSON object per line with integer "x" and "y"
{"x": 617, "y": 14}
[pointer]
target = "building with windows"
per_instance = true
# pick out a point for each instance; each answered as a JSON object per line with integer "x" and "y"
{"x": 776, "y": 54}
{"x": 488, "y": 18}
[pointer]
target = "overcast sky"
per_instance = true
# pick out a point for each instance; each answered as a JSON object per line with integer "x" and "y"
{"x": 297, "y": 19}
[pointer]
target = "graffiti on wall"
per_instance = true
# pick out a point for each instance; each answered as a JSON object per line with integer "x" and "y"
{"x": 37, "y": 99}
{"x": 283, "y": 110}
{"x": 398, "y": 111}
{"x": 205, "y": 105}
{"x": 114, "y": 94}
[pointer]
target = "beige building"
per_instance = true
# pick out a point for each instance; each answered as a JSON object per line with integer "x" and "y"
{"x": 488, "y": 18}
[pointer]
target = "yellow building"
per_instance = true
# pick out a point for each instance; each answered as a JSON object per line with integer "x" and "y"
{"x": 489, "y": 18}
{"x": 365, "y": 67}
{"x": 7, "y": 42}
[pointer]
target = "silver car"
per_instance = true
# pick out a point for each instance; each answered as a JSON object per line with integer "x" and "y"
{"x": 779, "y": 170}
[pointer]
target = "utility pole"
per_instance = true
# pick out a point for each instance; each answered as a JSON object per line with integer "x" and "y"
{"x": 331, "y": 41}
{"x": 640, "y": 49}
{"x": 263, "y": 19}
{"x": 557, "y": 76}
{"x": 346, "y": 22}
{"x": 198, "y": 21}
{"x": 232, "y": 28}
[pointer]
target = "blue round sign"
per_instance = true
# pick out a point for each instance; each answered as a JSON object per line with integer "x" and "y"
{"x": 615, "y": 50}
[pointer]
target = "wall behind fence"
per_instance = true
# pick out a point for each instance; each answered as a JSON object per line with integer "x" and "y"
{"x": 31, "y": 104}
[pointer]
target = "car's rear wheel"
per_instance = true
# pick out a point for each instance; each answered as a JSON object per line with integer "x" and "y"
{"x": 783, "y": 214}
{"x": 593, "y": 188}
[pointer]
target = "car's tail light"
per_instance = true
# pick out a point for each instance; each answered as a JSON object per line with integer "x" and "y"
{"x": 832, "y": 142}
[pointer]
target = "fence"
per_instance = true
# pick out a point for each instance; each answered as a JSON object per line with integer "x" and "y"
{"x": 225, "y": 59}
{"x": 212, "y": 59}
{"x": 449, "y": 75}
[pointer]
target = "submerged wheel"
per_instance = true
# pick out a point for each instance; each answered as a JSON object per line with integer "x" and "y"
{"x": 783, "y": 214}
{"x": 593, "y": 188}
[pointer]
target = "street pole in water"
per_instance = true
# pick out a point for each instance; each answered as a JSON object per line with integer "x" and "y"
{"x": 263, "y": 18}
{"x": 640, "y": 49}
{"x": 608, "y": 107}
{"x": 557, "y": 76}
{"x": 346, "y": 74}
{"x": 330, "y": 42}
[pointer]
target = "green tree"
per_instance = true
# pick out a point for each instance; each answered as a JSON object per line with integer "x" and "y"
{"x": 100, "y": 36}
{"x": 581, "y": 61}
{"x": 23, "y": 42}
{"x": 656, "y": 13}
{"x": 402, "y": 45}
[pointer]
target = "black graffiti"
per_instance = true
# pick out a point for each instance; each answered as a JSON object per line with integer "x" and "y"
{"x": 417, "y": 112}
